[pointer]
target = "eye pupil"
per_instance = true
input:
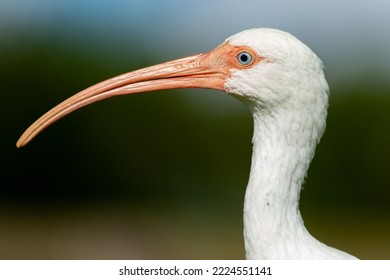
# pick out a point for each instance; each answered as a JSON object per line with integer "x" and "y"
{"x": 244, "y": 58}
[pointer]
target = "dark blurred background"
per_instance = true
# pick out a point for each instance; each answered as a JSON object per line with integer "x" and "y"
{"x": 162, "y": 175}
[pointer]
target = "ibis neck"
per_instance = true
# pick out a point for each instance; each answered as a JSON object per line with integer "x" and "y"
{"x": 283, "y": 146}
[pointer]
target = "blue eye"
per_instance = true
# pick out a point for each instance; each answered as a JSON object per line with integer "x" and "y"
{"x": 244, "y": 58}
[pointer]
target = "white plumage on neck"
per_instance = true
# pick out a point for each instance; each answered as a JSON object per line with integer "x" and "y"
{"x": 273, "y": 227}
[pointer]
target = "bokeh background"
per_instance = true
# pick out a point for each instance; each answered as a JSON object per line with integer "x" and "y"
{"x": 162, "y": 175}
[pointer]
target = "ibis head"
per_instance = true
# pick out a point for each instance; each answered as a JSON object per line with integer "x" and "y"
{"x": 265, "y": 68}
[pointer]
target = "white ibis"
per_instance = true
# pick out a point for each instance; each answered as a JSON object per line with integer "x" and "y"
{"x": 283, "y": 84}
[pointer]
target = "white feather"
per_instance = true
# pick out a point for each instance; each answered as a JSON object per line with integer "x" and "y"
{"x": 288, "y": 96}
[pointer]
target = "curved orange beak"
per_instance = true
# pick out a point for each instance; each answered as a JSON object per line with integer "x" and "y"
{"x": 205, "y": 70}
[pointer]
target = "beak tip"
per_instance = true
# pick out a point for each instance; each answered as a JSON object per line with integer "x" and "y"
{"x": 20, "y": 143}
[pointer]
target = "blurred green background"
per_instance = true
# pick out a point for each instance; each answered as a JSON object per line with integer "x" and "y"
{"x": 162, "y": 175}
